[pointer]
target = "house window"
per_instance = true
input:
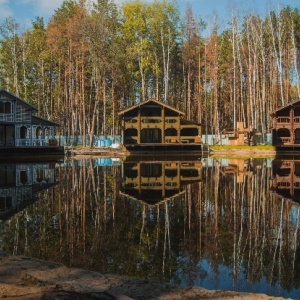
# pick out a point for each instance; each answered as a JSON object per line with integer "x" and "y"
{"x": 5, "y": 202}
{"x": 2, "y": 108}
{"x": 7, "y": 108}
{"x": 297, "y": 136}
{"x": 150, "y": 111}
{"x": 151, "y": 135}
{"x": 130, "y": 136}
{"x": 39, "y": 133}
{"x": 23, "y": 132}
{"x": 297, "y": 169}
{"x": 46, "y": 132}
{"x": 151, "y": 170}
{"x": 283, "y": 132}
{"x": 189, "y": 132}
{"x": 23, "y": 114}
{"x": 171, "y": 132}
{"x": 6, "y": 111}
{"x": 23, "y": 177}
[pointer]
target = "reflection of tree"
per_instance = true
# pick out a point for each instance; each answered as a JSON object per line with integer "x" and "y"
{"x": 222, "y": 220}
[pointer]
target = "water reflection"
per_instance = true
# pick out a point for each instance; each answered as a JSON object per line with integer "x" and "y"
{"x": 20, "y": 182}
{"x": 155, "y": 182}
{"x": 286, "y": 179}
{"x": 215, "y": 223}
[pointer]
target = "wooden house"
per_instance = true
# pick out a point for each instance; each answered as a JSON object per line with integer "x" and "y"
{"x": 21, "y": 129}
{"x": 157, "y": 126}
{"x": 20, "y": 182}
{"x": 286, "y": 179}
{"x": 286, "y": 126}
{"x": 156, "y": 182}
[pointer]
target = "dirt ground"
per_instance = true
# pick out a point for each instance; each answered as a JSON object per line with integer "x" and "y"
{"x": 26, "y": 278}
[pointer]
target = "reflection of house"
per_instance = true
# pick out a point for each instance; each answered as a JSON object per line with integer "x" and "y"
{"x": 238, "y": 168}
{"x": 19, "y": 183}
{"x": 20, "y": 128}
{"x": 286, "y": 125}
{"x": 286, "y": 179}
{"x": 155, "y": 125}
{"x": 154, "y": 182}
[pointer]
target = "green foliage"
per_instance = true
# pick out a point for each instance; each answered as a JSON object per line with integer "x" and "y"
{"x": 95, "y": 62}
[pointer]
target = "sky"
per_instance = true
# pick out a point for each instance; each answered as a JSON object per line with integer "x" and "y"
{"x": 24, "y": 11}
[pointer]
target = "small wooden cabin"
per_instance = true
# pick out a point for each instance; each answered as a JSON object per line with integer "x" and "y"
{"x": 154, "y": 125}
{"x": 286, "y": 125}
{"x": 20, "y": 127}
{"x": 286, "y": 179}
{"x": 156, "y": 182}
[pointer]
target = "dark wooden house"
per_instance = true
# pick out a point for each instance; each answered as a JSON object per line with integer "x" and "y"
{"x": 286, "y": 125}
{"x": 21, "y": 129}
{"x": 286, "y": 179}
{"x": 156, "y": 182}
{"x": 154, "y": 125}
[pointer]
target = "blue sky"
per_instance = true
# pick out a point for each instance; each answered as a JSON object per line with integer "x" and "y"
{"x": 23, "y": 11}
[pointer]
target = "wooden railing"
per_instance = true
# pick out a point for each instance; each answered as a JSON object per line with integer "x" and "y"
{"x": 283, "y": 140}
{"x": 283, "y": 120}
{"x": 6, "y": 117}
{"x": 36, "y": 142}
{"x": 151, "y": 120}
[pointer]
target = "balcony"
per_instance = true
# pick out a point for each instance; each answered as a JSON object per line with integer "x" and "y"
{"x": 283, "y": 140}
{"x": 283, "y": 120}
{"x": 151, "y": 120}
{"x": 6, "y": 117}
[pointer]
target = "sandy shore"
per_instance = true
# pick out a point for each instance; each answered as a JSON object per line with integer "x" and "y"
{"x": 26, "y": 278}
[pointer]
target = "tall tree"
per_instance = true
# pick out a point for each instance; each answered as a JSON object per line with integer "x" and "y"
{"x": 11, "y": 52}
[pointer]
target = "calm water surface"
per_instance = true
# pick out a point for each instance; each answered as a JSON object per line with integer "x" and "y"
{"x": 218, "y": 224}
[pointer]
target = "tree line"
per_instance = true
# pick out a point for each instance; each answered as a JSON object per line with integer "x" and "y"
{"x": 91, "y": 61}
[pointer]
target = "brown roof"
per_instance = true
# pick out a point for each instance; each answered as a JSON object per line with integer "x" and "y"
{"x": 149, "y": 101}
{"x": 285, "y": 106}
{"x": 188, "y": 122}
{"x": 41, "y": 121}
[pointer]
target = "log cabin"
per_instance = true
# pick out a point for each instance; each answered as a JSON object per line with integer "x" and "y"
{"x": 156, "y": 182}
{"x": 154, "y": 125}
{"x": 286, "y": 126}
{"x": 286, "y": 179}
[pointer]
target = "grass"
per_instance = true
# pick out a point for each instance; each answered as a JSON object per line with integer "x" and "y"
{"x": 242, "y": 147}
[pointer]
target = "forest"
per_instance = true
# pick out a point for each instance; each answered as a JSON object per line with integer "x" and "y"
{"x": 91, "y": 60}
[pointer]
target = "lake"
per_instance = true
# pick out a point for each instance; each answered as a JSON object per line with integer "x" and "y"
{"x": 229, "y": 224}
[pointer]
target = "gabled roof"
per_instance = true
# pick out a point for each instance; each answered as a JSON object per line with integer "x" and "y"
{"x": 41, "y": 121}
{"x": 286, "y": 106}
{"x": 18, "y": 99}
{"x": 153, "y": 202}
{"x": 147, "y": 102}
{"x": 188, "y": 122}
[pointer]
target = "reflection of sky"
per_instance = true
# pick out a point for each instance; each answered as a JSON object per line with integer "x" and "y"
{"x": 224, "y": 280}
{"x": 294, "y": 215}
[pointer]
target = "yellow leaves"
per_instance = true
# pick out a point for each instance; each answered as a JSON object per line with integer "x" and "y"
{"x": 134, "y": 23}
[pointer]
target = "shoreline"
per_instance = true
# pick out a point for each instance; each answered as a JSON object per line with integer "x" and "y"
{"x": 224, "y": 151}
{"x": 23, "y": 277}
